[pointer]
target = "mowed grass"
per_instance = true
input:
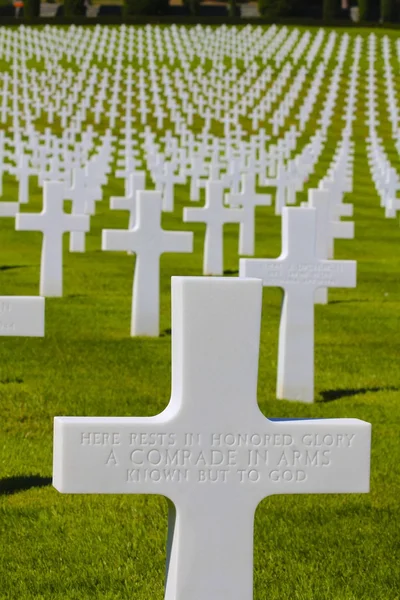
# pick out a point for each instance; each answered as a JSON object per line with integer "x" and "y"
{"x": 322, "y": 547}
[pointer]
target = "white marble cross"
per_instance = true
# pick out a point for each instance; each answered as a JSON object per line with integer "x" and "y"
{"x": 53, "y": 223}
{"x": 327, "y": 226}
{"x": 211, "y": 452}
{"x": 300, "y": 272}
{"x": 3, "y": 165}
{"x": 77, "y": 193}
{"x": 22, "y": 316}
{"x": 214, "y": 214}
{"x": 248, "y": 199}
{"x": 148, "y": 241}
{"x": 337, "y": 228}
{"x": 137, "y": 182}
{"x": 22, "y": 171}
{"x": 166, "y": 180}
{"x": 281, "y": 182}
{"x": 319, "y": 199}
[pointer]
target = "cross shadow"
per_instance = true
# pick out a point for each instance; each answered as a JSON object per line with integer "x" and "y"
{"x": 12, "y": 485}
{"x": 165, "y": 332}
{"x": 231, "y": 272}
{"x": 346, "y": 301}
{"x": 10, "y": 267}
{"x": 11, "y": 380}
{"x": 330, "y": 395}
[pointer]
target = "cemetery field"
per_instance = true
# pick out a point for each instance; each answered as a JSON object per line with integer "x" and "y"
{"x": 306, "y": 547}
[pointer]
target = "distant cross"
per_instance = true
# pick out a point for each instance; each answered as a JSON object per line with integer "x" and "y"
{"x": 327, "y": 228}
{"x": 23, "y": 171}
{"x": 78, "y": 194}
{"x": 196, "y": 170}
{"x": 233, "y": 176}
{"x": 93, "y": 191}
{"x": 56, "y": 172}
{"x": 53, "y": 223}
{"x": 281, "y": 182}
{"x": 337, "y": 229}
{"x": 319, "y": 200}
{"x": 248, "y": 199}
{"x": 299, "y": 272}
{"x": 130, "y": 165}
{"x": 3, "y": 166}
{"x": 148, "y": 241}
{"x": 137, "y": 182}
{"x": 215, "y": 166}
{"x": 214, "y": 214}
{"x": 211, "y": 452}
{"x": 167, "y": 179}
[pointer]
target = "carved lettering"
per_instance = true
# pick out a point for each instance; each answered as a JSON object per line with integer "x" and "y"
{"x": 5, "y": 307}
{"x": 246, "y": 458}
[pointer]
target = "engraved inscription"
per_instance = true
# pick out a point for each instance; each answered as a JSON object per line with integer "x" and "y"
{"x": 217, "y": 458}
{"x": 5, "y": 307}
{"x": 7, "y": 327}
{"x": 100, "y": 439}
{"x": 318, "y": 274}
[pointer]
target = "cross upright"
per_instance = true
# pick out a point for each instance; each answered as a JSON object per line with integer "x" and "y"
{"x": 3, "y": 166}
{"x": 248, "y": 199}
{"x": 211, "y": 452}
{"x": 56, "y": 172}
{"x": 196, "y": 170}
{"x": 214, "y": 214}
{"x": 93, "y": 191}
{"x": 53, "y": 223}
{"x": 328, "y": 227}
{"x": 23, "y": 171}
{"x": 148, "y": 241}
{"x": 281, "y": 182}
{"x": 137, "y": 182}
{"x": 337, "y": 229}
{"x": 319, "y": 200}
{"x": 130, "y": 164}
{"x": 167, "y": 179}
{"x": 215, "y": 166}
{"x": 300, "y": 272}
{"x": 78, "y": 193}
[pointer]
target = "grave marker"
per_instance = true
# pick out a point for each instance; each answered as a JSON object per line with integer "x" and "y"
{"x": 23, "y": 171}
{"x": 214, "y": 214}
{"x": 248, "y": 199}
{"x": 211, "y": 452}
{"x": 53, "y": 223}
{"x": 148, "y": 241}
{"x": 137, "y": 181}
{"x": 300, "y": 272}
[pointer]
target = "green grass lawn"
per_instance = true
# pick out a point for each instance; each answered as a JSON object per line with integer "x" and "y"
{"x": 311, "y": 547}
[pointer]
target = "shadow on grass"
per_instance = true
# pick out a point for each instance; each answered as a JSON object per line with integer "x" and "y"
{"x": 166, "y": 332}
{"x": 12, "y": 485}
{"x": 347, "y": 301}
{"x": 231, "y": 272}
{"x": 10, "y": 267}
{"x": 330, "y": 395}
{"x": 11, "y": 380}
